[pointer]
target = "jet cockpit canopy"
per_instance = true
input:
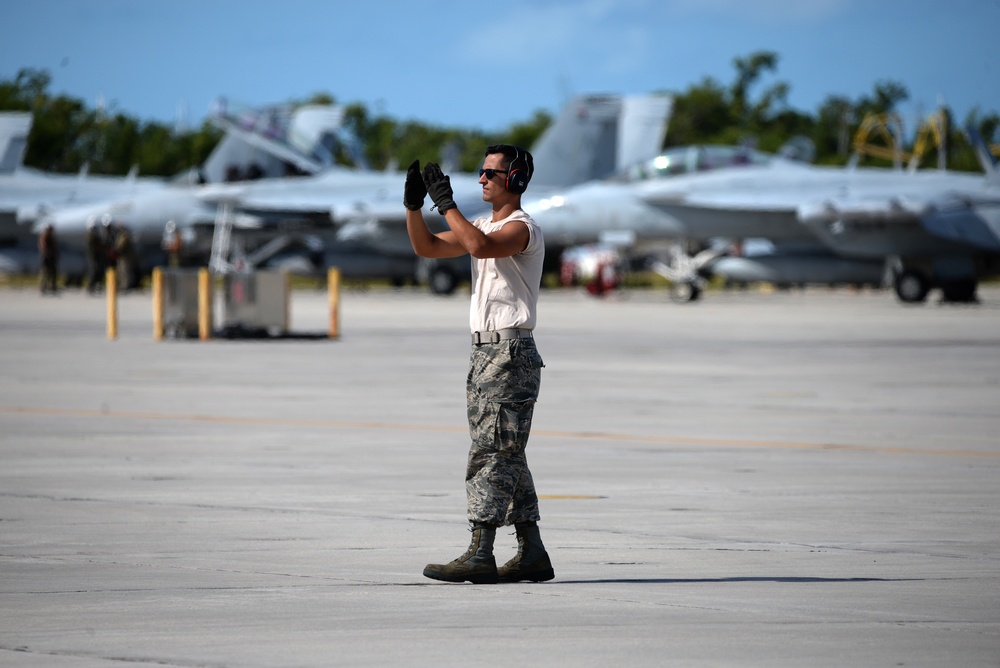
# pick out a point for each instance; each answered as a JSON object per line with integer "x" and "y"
{"x": 691, "y": 159}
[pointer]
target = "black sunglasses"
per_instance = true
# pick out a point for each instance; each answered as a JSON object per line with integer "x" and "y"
{"x": 490, "y": 173}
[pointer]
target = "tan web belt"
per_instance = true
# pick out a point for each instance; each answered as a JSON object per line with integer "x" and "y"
{"x": 479, "y": 338}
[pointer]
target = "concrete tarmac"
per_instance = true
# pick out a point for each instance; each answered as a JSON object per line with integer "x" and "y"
{"x": 789, "y": 479}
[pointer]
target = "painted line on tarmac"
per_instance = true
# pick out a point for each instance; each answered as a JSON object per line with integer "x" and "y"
{"x": 223, "y": 419}
{"x": 743, "y": 443}
{"x": 604, "y": 436}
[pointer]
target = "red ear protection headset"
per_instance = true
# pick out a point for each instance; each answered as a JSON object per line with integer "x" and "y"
{"x": 518, "y": 173}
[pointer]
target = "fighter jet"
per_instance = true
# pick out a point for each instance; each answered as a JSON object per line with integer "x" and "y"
{"x": 341, "y": 212}
{"x": 826, "y": 224}
{"x": 260, "y": 144}
{"x": 26, "y": 195}
{"x": 594, "y": 136}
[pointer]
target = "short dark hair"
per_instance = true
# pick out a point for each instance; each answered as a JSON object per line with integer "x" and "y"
{"x": 515, "y": 157}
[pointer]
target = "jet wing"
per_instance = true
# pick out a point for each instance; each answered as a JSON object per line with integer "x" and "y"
{"x": 344, "y": 195}
{"x": 253, "y": 206}
{"x": 335, "y": 192}
{"x": 976, "y": 225}
{"x": 867, "y": 213}
{"x": 719, "y": 214}
{"x": 949, "y": 218}
{"x": 335, "y": 206}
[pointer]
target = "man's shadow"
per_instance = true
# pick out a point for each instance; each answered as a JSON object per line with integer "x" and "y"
{"x": 669, "y": 581}
{"x": 763, "y": 578}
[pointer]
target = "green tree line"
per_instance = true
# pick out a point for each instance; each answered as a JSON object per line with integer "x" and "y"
{"x": 66, "y": 134}
{"x": 709, "y": 112}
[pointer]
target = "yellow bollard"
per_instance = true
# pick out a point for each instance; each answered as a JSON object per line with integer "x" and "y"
{"x": 111, "y": 286}
{"x": 333, "y": 291}
{"x": 204, "y": 305}
{"x": 158, "y": 304}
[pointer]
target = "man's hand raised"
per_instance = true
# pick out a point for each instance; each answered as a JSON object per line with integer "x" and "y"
{"x": 414, "y": 191}
{"x": 439, "y": 187}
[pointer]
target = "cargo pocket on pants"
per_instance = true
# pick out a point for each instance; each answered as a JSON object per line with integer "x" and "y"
{"x": 513, "y": 426}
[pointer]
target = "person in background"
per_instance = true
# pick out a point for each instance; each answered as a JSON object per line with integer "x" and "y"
{"x": 96, "y": 254}
{"x": 128, "y": 260}
{"x": 48, "y": 255}
{"x": 172, "y": 244}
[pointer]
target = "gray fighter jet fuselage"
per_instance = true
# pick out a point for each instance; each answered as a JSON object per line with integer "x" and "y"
{"x": 937, "y": 228}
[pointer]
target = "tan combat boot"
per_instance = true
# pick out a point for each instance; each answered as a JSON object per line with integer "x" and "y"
{"x": 477, "y": 565}
{"x": 531, "y": 561}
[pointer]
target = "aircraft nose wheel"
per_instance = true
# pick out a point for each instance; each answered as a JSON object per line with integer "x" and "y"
{"x": 443, "y": 281}
{"x": 683, "y": 292}
{"x": 911, "y": 287}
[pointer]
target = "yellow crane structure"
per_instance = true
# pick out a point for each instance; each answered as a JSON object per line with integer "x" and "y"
{"x": 889, "y": 129}
{"x": 886, "y": 127}
{"x": 934, "y": 129}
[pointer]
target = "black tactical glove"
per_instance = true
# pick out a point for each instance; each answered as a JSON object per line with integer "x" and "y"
{"x": 414, "y": 191}
{"x": 439, "y": 188}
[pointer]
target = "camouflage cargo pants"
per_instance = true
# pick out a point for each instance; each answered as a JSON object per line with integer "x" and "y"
{"x": 502, "y": 388}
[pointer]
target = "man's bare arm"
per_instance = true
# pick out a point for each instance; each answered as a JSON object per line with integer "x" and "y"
{"x": 427, "y": 244}
{"x": 509, "y": 240}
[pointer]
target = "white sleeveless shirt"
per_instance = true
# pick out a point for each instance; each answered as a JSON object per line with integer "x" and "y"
{"x": 505, "y": 289}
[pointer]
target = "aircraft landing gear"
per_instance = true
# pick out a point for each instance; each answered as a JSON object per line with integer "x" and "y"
{"x": 687, "y": 274}
{"x": 443, "y": 281}
{"x": 960, "y": 291}
{"x": 911, "y": 287}
{"x": 683, "y": 292}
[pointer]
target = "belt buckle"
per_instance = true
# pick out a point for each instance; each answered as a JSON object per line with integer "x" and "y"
{"x": 494, "y": 337}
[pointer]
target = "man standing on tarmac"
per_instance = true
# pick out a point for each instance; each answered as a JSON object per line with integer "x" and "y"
{"x": 48, "y": 253}
{"x": 96, "y": 257}
{"x": 505, "y": 368}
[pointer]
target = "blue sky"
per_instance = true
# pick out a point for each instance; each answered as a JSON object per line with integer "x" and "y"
{"x": 487, "y": 65}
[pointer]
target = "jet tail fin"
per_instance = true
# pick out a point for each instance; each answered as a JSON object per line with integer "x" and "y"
{"x": 265, "y": 141}
{"x": 596, "y": 135}
{"x": 14, "y": 129}
{"x": 642, "y": 127}
{"x": 313, "y": 131}
{"x": 986, "y": 159}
